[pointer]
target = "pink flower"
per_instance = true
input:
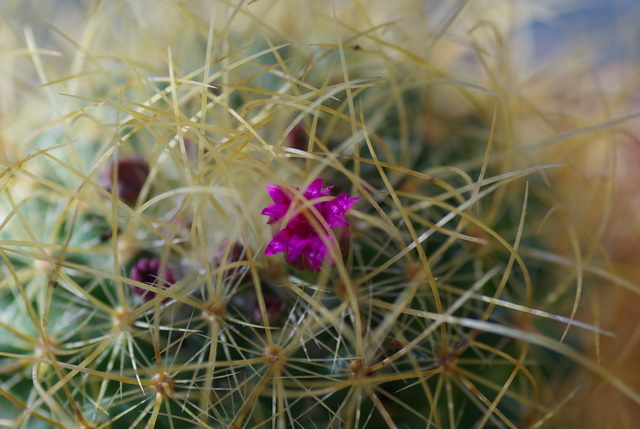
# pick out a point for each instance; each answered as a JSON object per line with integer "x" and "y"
{"x": 303, "y": 236}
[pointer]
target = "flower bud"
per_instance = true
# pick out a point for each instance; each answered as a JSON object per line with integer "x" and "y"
{"x": 131, "y": 174}
{"x": 274, "y": 306}
{"x": 147, "y": 271}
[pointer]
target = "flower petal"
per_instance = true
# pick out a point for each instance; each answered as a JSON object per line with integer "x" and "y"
{"x": 317, "y": 253}
{"x": 279, "y": 242}
{"x": 314, "y": 190}
{"x": 335, "y": 221}
{"x": 276, "y": 211}
{"x": 296, "y": 245}
{"x": 335, "y": 210}
{"x": 278, "y": 195}
{"x": 344, "y": 202}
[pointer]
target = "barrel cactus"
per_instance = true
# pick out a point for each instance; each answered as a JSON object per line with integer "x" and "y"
{"x": 282, "y": 214}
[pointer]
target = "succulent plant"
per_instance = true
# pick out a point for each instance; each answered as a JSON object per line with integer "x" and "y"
{"x": 287, "y": 215}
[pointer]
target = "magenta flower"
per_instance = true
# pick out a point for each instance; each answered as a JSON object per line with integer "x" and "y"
{"x": 303, "y": 237}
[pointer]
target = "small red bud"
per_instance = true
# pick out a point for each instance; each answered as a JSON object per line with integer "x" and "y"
{"x": 235, "y": 252}
{"x": 147, "y": 271}
{"x": 132, "y": 173}
{"x": 275, "y": 308}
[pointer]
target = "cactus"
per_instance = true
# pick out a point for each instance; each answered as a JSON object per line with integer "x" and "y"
{"x": 281, "y": 215}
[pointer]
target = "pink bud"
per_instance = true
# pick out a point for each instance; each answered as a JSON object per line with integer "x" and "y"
{"x": 147, "y": 271}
